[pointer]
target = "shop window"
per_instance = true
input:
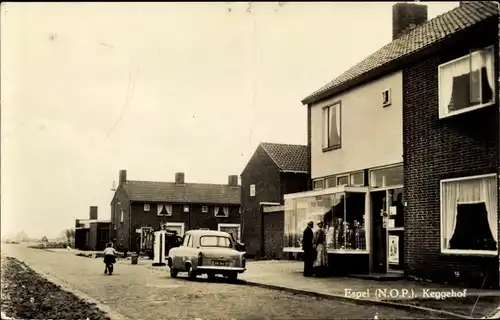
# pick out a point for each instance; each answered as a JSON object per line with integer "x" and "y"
{"x": 330, "y": 182}
{"x": 385, "y": 177}
{"x": 342, "y": 215}
{"x": 331, "y": 127}
{"x": 396, "y": 209}
{"x": 318, "y": 184}
{"x": 467, "y": 83}
{"x": 343, "y": 180}
{"x": 357, "y": 178}
{"x": 469, "y": 215}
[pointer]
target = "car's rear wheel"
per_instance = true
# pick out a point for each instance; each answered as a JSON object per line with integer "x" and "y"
{"x": 233, "y": 276}
{"x": 173, "y": 272}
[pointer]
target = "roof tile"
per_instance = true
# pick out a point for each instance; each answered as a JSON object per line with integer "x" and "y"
{"x": 288, "y": 157}
{"x": 415, "y": 40}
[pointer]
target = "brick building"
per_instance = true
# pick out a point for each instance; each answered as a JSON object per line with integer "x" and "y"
{"x": 272, "y": 171}
{"x": 177, "y": 205}
{"x": 404, "y": 151}
{"x": 92, "y": 234}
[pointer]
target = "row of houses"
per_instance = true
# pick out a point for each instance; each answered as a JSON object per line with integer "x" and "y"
{"x": 401, "y": 164}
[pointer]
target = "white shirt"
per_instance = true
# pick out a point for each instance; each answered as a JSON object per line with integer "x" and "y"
{"x": 110, "y": 251}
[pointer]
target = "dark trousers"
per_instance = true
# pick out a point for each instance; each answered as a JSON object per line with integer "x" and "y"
{"x": 308, "y": 263}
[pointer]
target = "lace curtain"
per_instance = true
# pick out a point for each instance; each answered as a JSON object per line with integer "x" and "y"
{"x": 468, "y": 191}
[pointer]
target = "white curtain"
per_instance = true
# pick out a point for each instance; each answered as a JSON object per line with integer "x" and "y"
{"x": 325, "y": 128}
{"x": 488, "y": 62}
{"x": 168, "y": 207}
{"x": 226, "y": 211}
{"x": 160, "y": 208}
{"x": 448, "y": 72}
{"x": 337, "y": 118}
{"x": 216, "y": 210}
{"x": 469, "y": 191}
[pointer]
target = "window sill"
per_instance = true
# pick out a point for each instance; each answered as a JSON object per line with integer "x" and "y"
{"x": 385, "y": 105}
{"x": 478, "y": 253}
{"x": 221, "y": 216}
{"x": 469, "y": 109}
{"x": 331, "y": 148}
{"x": 163, "y": 215}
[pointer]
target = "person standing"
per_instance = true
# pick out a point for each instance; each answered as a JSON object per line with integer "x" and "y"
{"x": 319, "y": 244}
{"x": 307, "y": 247}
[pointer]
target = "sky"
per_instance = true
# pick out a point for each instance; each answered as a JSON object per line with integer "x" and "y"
{"x": 89, "y": 89}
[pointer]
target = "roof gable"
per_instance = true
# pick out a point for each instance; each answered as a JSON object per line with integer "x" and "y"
{"x": 288, "y": 157}
{"x": 423, "y": 36}
{"x": 203, "y": 193}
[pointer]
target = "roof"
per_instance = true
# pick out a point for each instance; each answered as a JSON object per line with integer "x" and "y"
{"x": 423, "y": 36}
{"x": 153, "y": 191}
{"x": 206, "y": 232}
{"x": 288, "y": 157}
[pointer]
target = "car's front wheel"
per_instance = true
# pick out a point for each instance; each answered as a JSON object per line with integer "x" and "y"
{"x": 191, "y": 273}
{"x": 173, "y": 272}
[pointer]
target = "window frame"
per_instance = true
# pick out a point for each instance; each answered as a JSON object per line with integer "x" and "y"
{"x": 122, "y": 213}
{"x": 167, "y": 214}
{"x": 340, "y": 176}
{"x": 218, "y": 241}
{"x": 442, "y": 220}
{"x": 176, "y": 224}
{"x": 222, "y": 212}
{"x": 351, "y": 183}
{"x": 147, "y": 207}
{"x": 204, "y": 209}
{"x": 231, "y": 225}
{"x": 442, "y": 109}
{"x": 389, "y": 97}
{"x": 317, "y": 181}
{"x": 333, "y": 178}
{"x": 252, "y": 190}
{"x": 185, "y": 208}
{"x": 330, "y": 147}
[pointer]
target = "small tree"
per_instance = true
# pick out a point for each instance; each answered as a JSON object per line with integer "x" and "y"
{"x": 70, "y": 237}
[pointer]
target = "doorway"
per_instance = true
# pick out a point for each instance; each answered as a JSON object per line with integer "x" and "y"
{"x": 379, "y": 234}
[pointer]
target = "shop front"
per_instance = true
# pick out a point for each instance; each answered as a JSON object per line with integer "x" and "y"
{"x": 345, "y": 213}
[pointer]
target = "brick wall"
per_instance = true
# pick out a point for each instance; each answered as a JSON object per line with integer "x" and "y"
{"x": 292, "y": 183}
{"x": 273, "y": 234}
{"x": 436, "y": 149}
{"x": 120, "y": 231}
{"x": 264, "y": 173}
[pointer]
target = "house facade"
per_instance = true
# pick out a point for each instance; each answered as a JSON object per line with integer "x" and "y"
{"x": 451, "y": 148}
{"x": 92, "y": 234}
{"x": 404, "y": 150}
{"x": 177, "y": 205}
{"x": 273, "y": 170}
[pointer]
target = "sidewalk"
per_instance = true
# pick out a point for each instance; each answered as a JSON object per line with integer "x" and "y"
{"x": 287, "y": 275}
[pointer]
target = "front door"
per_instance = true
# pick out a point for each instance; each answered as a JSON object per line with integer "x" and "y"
{"x": 379, "y": 234}
{"x": 395, "y": 230}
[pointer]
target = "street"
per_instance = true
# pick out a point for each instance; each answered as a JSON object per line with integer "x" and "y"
{"x": 143, "y": 292}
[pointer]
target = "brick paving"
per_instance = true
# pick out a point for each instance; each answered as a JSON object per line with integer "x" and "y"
{"x": 144, "y": 292}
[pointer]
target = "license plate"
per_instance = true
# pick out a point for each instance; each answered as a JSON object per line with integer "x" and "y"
{"x": 220, "y": 263}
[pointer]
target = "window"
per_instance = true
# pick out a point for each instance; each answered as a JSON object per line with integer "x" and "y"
{"x": 467, "y": 83}
{"x": 224, "y": 213}
{"x": 186, "y": 240}
{"x": 385, "y": 177}
{"x": 146, "y": 207}
{"x": 186, "y": 208}
{"x": 240, "y": 210}
{"x": 343, "y": 180}
{"x": 215, "y": 241}
{"x": 121, "y": 216}
{"x": 357, "y": 178}
{"x": 252, "y": 190}
{"x": 318, "y": 184}
{"x": 178, "y": 227}
{"x": 343, "y": 216}
{"x": 331, "y": 127}
{"x": 164, "y": 209}
{"x": 204, "y": 209}
{"x": 386, "y": 98}
{"x": 330, "y": 182}
{"x": 469, "y": 215}
{"x": 190, "y": 241}
{"x": 234, "y": 229}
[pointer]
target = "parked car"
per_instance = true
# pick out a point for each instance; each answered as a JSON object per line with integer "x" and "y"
{"x": 207, "y": 252}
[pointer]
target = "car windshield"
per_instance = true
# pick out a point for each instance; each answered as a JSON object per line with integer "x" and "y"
{"x": 215, "y": 241}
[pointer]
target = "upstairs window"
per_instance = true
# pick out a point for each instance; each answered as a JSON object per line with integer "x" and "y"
{"x": 146, "y": 207}
{"x": 467, "y": 83}
{"x": 331, "y": 127}
{"x": 164, "y": 209}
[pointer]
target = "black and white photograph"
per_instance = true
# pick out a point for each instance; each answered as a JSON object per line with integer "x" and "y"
{"x": 250, "y": 160}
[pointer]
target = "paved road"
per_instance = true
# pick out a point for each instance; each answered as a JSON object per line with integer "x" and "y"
{"x": 144, "y": 292}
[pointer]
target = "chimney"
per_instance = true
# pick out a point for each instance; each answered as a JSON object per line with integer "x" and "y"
{"x": 93, "y": 213}
{"x": 179, "y": 178}
{"x": 232, "y": 181}
{"x": 406, "y": 16}
{"x": 123, "y": 177}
